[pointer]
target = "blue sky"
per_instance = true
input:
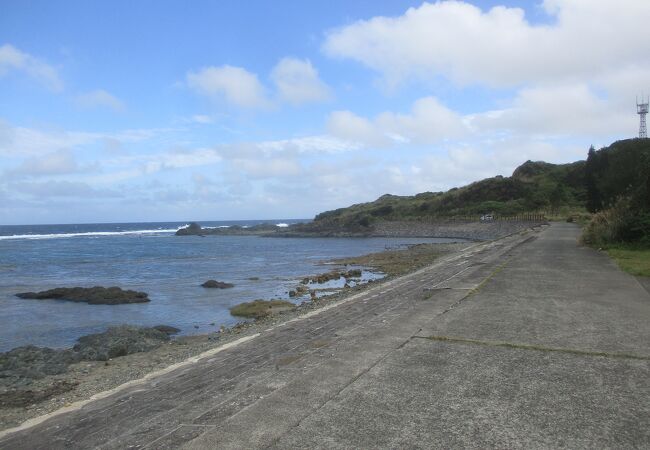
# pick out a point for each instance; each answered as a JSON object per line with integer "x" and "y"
{"x": 159, "y": 110}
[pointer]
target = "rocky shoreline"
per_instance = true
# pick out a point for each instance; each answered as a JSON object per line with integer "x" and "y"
{"x": 22, "y": 367}
{"x": 51, "y": 378}
{"x": 442, "y": 228}
{"x": 57, "y": 378}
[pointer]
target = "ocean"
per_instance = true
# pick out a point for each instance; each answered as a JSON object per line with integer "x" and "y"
{"x": 149, "y": 257}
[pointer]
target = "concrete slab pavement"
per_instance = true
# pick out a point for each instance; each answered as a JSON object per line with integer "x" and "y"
{"x": 530, "y": 341}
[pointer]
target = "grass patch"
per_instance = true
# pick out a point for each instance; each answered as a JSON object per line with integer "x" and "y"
{"x": 633, "y": 260}
{"x": 260, "y": 308}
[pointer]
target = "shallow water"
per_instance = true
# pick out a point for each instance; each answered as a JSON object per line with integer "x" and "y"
{"x": 148, "y": 257}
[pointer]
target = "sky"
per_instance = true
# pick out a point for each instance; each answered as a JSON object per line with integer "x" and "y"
{"x": 122, "y": 111}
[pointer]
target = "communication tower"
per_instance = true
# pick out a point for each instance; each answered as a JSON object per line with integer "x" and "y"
{"x": 642, "y": 110}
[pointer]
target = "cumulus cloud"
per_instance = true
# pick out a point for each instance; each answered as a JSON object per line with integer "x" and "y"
{"x": 12, "y": 59}
{"x": 297, "y": 82}
{"x": 236, "y": 85}
{"x": 498, "y": 47}
{"x": 349, "y": 126}
{"x": 100, "y": 99}
{"x": 569, "y": 110}
{"x": 429, "y": 121}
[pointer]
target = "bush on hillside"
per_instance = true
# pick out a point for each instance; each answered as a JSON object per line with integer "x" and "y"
{"x": 622, "y": 223}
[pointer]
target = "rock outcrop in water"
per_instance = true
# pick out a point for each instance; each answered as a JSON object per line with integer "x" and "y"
{"x": 192, "y": 229}
{"x": 263, "y": 229}
{"x": 22, "y": 366}
{"x": 94, "y": 296}
{"x": 259, "y": 309}
{"x": 213, "y": 284}
{"x": 168, "y": 330}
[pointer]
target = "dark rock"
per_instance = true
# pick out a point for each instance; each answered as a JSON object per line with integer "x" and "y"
{"x": 217, "y": 284}
{"x": 194, "y": 229}
{"x": 167, "y": 329}
{"x": 29, "y": 362}
{"x": 353, "y": 273}
{"x": 21, "y": 397}
{"x": 119, "y": 341}
{"x": 190, "y": 230}
{"x": 94, "y": 296}
{"x": 300, "y": 290}
{"x": 20, "y": 367}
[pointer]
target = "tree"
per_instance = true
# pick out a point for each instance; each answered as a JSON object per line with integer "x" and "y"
{"x": 594, "y": 198}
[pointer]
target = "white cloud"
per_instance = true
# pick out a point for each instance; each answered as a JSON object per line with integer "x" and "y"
{"x": 236, "y": 85}
{"x": 24, "y": 141}
{"x": 100, "y": 98}
{"x": 181, "y": 159}
{"x": 347, "y": 125}
{"x": 499, "y": 47}
{"x": 309, "y": 144}
{"x": 60, "y": 162}
{"x": 51, "y": 188}
{"x": 12, "y": 59}
{"x": 569, "y": 110}
{"x": 201, "y": 118}
{"x": 268, "y": 167}
{"x": 428, "y": 122}
{"x": 297, "y": 82}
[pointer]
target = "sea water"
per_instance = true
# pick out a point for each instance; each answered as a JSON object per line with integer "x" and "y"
{"x": 149, "y": 257}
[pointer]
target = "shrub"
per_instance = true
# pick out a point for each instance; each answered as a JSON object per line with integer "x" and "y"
{"x": 622, "y": 223}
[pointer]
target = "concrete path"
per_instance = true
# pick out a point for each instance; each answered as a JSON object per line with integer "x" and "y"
{"x": 530, "y": 341}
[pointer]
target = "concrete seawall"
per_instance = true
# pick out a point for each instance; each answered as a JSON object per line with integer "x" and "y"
{"x": 527, "y": 341}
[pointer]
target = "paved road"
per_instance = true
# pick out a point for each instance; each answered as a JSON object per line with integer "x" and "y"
{"x": 530, "y": 341}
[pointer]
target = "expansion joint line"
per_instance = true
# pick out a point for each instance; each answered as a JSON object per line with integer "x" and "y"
{"x": 539, "y": 348}
{"x": 498, "y": 269}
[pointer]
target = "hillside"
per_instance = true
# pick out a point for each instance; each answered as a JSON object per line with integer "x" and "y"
{"x": 619, "y": 171}
{"x": 534, "y": 187}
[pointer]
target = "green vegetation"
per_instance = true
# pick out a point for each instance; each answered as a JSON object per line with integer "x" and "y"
{"x": 559, "y": 191}
{"x": 260, "y": 308}
{"x": 613, "y": 185}
{"x": 608, "y": 194}
{"x": 618, "y": 192}
{"x": 633, "y": 260}
{"x": 533, "y": 187}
